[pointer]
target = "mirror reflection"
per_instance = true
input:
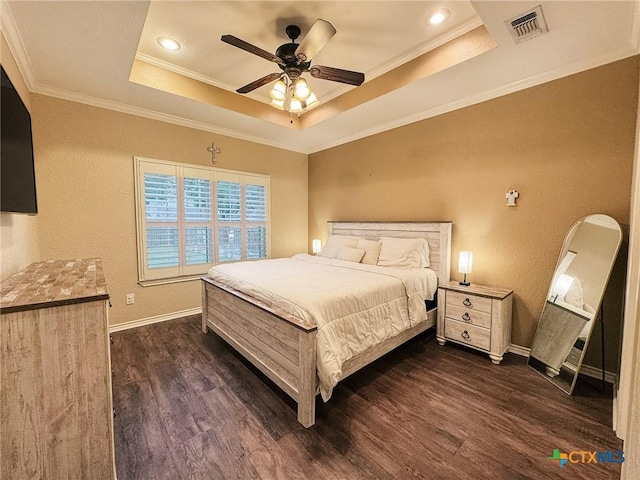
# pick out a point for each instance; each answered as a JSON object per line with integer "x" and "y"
{"x": 574, "y": 299}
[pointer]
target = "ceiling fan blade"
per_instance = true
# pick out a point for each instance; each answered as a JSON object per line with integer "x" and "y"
{"x": 260, "y": 82}
{"x": 236, "y": 42}
{"x": 337, "y": 75}
{"x": 316, "y": 38}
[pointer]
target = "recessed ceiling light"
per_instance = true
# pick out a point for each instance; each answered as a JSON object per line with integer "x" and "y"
{"x": 168, "y": 43}
{"x": 438, "y": 16}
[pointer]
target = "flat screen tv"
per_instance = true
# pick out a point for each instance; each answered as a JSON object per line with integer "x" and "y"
{"x": 17, "y": 172}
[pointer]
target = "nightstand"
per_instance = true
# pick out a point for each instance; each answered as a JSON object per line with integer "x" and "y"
{"x": 476, "y": 316}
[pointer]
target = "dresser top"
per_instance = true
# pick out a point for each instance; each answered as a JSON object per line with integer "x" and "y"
{"x": 54, "y": 283}
{"x": 474, "y": 289}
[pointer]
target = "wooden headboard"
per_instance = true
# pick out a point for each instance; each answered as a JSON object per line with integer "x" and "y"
{"x": 438, "y": 234}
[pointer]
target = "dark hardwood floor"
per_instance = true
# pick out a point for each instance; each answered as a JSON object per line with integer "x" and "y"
{"x": 189, "y": 407}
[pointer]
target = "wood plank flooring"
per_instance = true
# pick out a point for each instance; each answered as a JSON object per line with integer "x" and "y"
{"x": 189, "y": 407}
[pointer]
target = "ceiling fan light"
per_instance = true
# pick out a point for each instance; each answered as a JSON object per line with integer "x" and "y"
{"x": 302, "y": 90}
{"x": 279, "y": 90}
{"x": 311, "y": 99}
{"x": 296, "y": 105}
{"x": 278, "y": 103}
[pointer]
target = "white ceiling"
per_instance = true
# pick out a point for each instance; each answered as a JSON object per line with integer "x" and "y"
{"x": 360, "y": 44}
{"x": 84, "y": 51}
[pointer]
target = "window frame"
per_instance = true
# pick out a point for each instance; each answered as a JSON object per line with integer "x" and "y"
{"x": 183, "y": 271}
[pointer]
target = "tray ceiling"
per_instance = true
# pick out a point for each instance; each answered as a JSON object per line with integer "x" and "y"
{"x": 89, "y": 52}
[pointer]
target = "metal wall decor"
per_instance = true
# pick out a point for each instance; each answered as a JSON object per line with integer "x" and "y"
{"x": 214, "y": 150}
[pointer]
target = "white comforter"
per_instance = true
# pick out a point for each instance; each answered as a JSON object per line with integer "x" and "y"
{"x": 353, "y": 305}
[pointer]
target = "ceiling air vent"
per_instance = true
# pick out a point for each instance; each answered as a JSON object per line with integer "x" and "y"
{"x": 527, "y": 25}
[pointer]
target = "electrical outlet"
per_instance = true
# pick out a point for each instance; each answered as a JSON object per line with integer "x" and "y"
{"x": 131, "y": 298}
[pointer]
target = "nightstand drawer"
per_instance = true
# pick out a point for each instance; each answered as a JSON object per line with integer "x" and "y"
{"x": 470, "y": 302}
{"x": 470, "y": 334}
{"x": 466, "y": 315}
{"x": 475, "y": 315}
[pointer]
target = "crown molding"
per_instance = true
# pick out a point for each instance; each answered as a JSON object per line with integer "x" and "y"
{"x": 424, "y": 48}
{"x": 156, "y": 62}
{"x": 532, "y": 81}
{"x": 375, "y": 72}
{"x": 16, "y": 45}
{"x": 162, "y": 117}
{"x": 507, "y": 89}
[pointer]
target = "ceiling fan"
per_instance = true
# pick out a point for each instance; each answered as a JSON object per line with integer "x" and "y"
{"x": 291, "y": 91}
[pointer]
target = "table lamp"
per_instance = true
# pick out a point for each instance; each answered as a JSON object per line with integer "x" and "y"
{"x": 465, "y": 262}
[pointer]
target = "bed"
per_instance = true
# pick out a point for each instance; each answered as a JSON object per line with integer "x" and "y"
{"x": 286, "y": 343}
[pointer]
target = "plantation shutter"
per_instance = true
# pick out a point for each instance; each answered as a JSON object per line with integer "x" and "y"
{"x": 161, "y": 242}
{"x": 229, "y": 219}
{"x": 198, "y": 231}
{"x": 255, "y": 194}
{"x": 190, "y": 218}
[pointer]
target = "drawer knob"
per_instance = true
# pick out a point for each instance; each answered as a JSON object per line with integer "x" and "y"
{"x": 466, "y": 317}
{"x": 467, "y": 302}
{"x": 465, "y": 335}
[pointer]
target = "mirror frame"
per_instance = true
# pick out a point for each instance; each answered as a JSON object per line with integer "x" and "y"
{"x": 538, "y": 365}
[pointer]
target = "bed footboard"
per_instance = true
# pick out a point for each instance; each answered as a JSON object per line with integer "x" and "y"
{"x": 279, "y": 346}
{"x": 283, "y": 348}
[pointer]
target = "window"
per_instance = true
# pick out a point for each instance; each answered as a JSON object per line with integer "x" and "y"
{"x": 190, "y": 218}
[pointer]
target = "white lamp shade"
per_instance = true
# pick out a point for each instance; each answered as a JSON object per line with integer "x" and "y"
{"x": 465, "y": 261}
{"x": 312, "y": 99}
{"x": 302, "y": 89}
{"x": 279, "y": 90}
{"x": 278, "y": 103}
{"x": 296, "y": 105}
{"x": 316, "y": 245}
{"x": 563, "y": 284}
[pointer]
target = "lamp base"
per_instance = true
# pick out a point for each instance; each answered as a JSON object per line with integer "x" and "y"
{"x": 466, "y": 284}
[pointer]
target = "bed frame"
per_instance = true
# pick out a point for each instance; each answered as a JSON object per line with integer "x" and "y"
{"x": 283, "y": 348}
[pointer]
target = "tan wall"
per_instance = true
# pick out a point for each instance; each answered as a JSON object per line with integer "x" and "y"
{"x": 18, "y": 233}
{"x": 86, "y": 193}
{"x": 567, "y": 147}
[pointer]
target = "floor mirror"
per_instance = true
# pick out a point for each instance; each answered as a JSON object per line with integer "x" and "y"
{"x": 573, "y": 302}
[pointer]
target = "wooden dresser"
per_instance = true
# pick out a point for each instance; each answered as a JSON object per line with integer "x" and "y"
{"x": 476, "y": 316}
{"x": 56, "y": 413}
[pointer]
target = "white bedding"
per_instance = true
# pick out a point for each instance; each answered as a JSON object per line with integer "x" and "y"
{"x": 353, "y": 305}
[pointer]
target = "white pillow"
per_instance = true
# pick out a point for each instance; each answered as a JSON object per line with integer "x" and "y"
{"x": 403, "y": 252}
{"x": 372, "y": 250}
{"x": 426, "y": 262}
{"x": 335, "y": 243}
{"x": 351, "y": 254}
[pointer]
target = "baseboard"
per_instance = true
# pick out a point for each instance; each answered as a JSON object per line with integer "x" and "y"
{"x": 519, "y": 350}
{"x": 595, "y": 372}
{"x": 587, "y": 370}
{"x": 158, "y": 318}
